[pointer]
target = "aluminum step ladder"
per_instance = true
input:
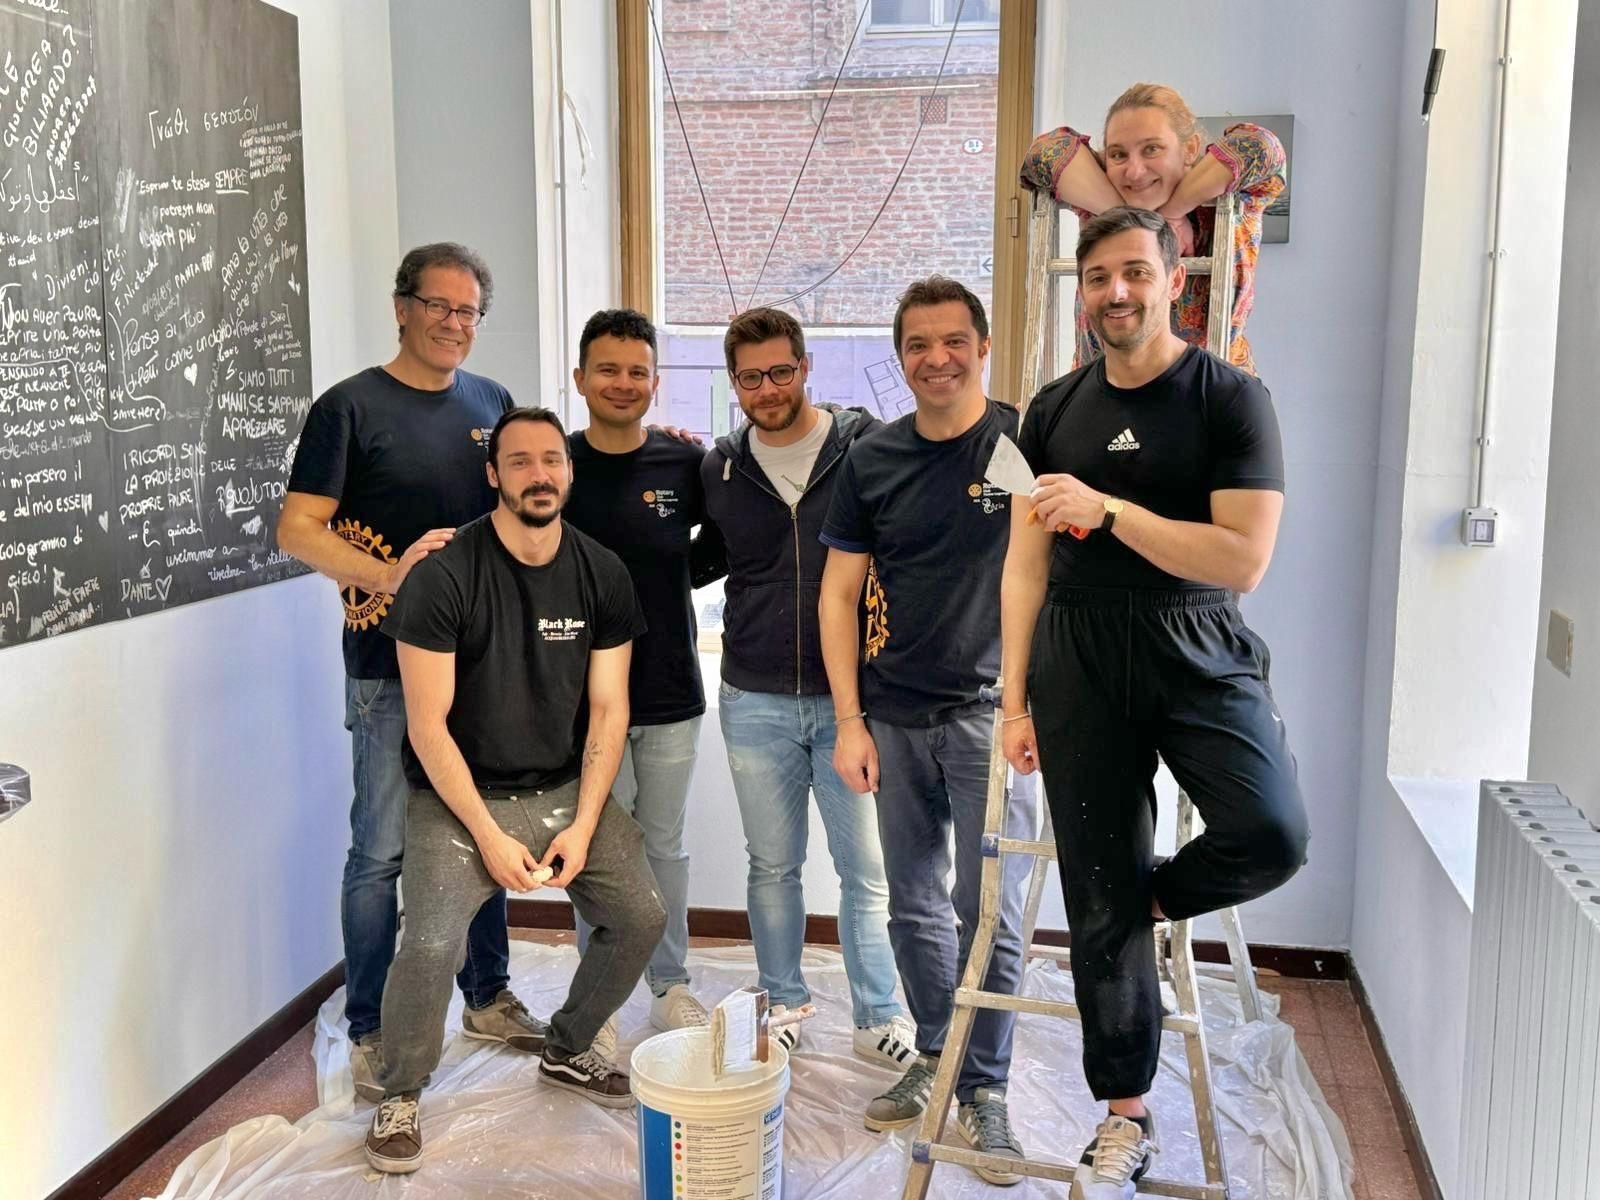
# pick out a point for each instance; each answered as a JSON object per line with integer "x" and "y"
{"x": 927, "y": 1149}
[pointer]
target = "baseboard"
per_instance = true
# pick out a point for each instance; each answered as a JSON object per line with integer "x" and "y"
{"x": 1410, "y": 1133}
{"x": 1295, "y": 962}
{"x": 140, "y": 1143}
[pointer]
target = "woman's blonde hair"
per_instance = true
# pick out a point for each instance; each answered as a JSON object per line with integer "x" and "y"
{"x": 1159, "y": 95}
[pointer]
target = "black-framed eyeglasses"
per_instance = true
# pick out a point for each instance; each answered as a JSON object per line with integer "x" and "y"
{"x": 439, "y": 310}
{"x": 781, "y": 375}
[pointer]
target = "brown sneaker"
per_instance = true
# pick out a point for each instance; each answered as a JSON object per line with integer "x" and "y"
{"x": 588, "y": 1074}
{"x": 394, "y": 1143}
{"x": 366, "y": 1057}
{"x": 507, "y": 1020}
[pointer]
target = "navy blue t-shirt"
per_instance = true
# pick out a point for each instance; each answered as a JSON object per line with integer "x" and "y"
{"x": 1200, "y": 426}
{"x": 521, "y": 637}
{"x": 937, "y": 534}
{"x": 643, "y": 506}
{"x": 400, "y": 461}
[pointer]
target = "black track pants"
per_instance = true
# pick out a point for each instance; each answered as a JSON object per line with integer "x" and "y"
{"x": 1117, "y": 677}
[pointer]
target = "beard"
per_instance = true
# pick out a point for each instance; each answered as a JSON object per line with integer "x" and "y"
{"x": 779, "y": 419}
{"x": 1137, "y": 336}
{"x": 530, "y": 516}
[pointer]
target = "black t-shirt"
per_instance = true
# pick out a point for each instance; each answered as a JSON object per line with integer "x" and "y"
{"x": 642, "y": 506}
{"x": 400, "y": 462}
{"x": 937, "y": 534}
{"x": 521, "y": 636}
{"x": 1198, "y": 427}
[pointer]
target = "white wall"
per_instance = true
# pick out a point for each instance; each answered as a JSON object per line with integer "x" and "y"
{"x": 464, "y": 157}
{"x": 1566, "y": 710}
{"x": 1449, "y": 672}
{"x": 176, "y": 879}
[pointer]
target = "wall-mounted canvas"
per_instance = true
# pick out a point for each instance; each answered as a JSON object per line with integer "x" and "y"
{"x": 1275, "y": 226}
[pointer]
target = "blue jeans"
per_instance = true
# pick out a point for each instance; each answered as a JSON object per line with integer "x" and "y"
{"x": 375, "y": 715}
{"x": 780, "y": 751}
{"x": 928, "y": 781}
{"x": 653, "y": 785}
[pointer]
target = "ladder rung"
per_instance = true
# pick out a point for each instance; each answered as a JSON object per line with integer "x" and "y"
{"x": 1069, "y": 266}
{"x": 1060, "y": 954}
{"x": 974, "y": 998}
{"x": 991, "y": 846}
{"x": 1036, "y": 1168}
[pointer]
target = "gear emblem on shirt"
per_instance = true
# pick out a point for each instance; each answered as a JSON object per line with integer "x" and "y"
{"x": 363, "y": 610}
{"x": 877, "y": 613}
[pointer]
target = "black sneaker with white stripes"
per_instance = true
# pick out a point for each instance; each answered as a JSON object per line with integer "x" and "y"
{"x": 588, "y": 1073}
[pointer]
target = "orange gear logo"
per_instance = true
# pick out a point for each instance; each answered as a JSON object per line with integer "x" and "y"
{"x": 877, "y": 613}
{"x": 974, "y": 490}
{"x": 363, "y": 610}
{"x": 649, "y": 497}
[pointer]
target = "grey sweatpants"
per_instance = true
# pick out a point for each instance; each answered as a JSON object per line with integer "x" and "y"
{"x": 446, "y": 883}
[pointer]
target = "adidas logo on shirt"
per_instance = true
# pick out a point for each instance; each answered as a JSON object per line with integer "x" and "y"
{"x": 1123, "y": 441}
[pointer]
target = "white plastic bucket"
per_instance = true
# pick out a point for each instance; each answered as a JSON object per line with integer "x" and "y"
{"x": 705, "y": 1138}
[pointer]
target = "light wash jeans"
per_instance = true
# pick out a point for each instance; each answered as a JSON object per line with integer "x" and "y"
{"x": 653, "y": 787}
{"x": 375, "y": 715}
{"x": 780, "y": 752}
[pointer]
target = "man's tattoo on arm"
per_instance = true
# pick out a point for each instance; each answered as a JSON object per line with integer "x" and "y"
{"x": 591, "y": 753}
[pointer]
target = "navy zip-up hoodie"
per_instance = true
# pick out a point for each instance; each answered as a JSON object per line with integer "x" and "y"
{"x": 771, "y": 641}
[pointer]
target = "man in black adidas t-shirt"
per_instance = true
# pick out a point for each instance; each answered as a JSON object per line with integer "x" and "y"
{"x": 912, "y": 518}
{"x": 514, "y": 646}
{"x": 637, "y": 492}
{"x": 1131, "y": 646}
{"x": 390, "y": 461}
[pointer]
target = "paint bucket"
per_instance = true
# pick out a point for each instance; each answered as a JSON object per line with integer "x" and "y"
{"x": 700, "y": 1136}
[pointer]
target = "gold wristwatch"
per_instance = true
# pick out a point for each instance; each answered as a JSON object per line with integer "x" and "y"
{"x": 1113, "y": 507}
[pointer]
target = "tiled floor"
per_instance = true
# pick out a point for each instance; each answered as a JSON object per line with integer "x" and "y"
{"x": 1324, "y": 1015}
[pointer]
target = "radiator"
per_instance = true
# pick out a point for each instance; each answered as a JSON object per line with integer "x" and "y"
{"x": 1530, "y": 1126}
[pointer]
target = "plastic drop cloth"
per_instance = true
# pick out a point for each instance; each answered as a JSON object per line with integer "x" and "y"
{"x": 490, "y": 1129}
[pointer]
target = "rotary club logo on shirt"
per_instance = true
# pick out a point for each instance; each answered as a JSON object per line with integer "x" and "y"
{"x": 363, "y": 610}
{"x": 663, "y": 500}
{"x": 988, "y": 497}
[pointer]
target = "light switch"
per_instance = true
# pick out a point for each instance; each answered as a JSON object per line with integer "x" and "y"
{"x": 1558, "y": 642}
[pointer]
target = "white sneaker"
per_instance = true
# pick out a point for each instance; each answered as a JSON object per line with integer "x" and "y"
{"x": 678, "y": 1009}
{"x": 1115, "y": 1160}
{"x": 892, "y": 1044}
{"x": 605, "y": 1042}
{"x": 787, "y": 1036}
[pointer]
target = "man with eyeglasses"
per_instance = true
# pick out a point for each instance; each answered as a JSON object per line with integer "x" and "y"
{"x": 636, "y": 491}
{"x": 767, "y": 487}
{"x": 390, "y": 461}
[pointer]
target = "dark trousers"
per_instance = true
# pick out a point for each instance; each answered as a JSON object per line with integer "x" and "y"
{"x": 1116, "y": 678}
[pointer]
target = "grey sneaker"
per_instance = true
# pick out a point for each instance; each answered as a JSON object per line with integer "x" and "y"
{"x": 506, "y": 1020}
{"x": 394, "y": 1142}
{"x": 588, "y": 1074}
{"x": 678, "y": 1009}
{"x": 985, "y": 1125}
{"x": 1115, "y": 1161}
{"x": 366, "y": 1057}
{"x": 903, "y": 1103}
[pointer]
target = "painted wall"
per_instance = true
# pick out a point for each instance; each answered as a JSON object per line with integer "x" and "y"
{"x": 1566, "y": 710}
{"x": 1451, "y": 631}
{"x": 175, "y": 880}
{"x": 464, "y": 159}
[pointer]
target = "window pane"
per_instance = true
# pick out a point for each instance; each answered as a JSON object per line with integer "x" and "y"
{"x": 899, "y": 184}
{"x": 902, "y": 12}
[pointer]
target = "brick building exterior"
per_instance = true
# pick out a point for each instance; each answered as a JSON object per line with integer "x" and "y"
{"x": 750, "y": 79}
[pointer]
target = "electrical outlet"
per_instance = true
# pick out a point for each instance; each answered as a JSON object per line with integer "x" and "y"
{"x": 1479, "y": 526}
{"x": 1558, "y": 642}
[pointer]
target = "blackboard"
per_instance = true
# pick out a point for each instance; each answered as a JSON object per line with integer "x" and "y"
{"x": 154, "y": 325}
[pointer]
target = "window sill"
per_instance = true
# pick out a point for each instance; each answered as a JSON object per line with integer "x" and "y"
{"x": 1445, "y": 812}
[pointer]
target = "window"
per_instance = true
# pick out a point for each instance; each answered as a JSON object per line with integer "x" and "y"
{"x": 797, "y": 163}
{"x": 899, "y": 16}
